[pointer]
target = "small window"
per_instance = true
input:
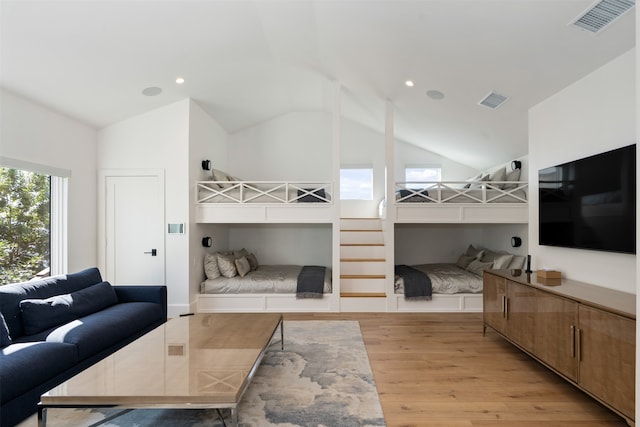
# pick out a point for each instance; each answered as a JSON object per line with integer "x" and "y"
{"x": 356, "y": 183}
{"x": 415, "y": 176}
{"x": 25, "y": 225}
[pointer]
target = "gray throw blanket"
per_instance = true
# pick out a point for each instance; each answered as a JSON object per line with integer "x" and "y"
{"x": 310, "y": 282}
{"x": 417, "y": 284}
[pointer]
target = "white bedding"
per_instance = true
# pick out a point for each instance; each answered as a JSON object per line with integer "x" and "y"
{"x": 267, "y": 279}
{"x": 446, "y": 279}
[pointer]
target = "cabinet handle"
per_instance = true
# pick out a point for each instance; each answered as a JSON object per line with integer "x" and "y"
{"x": 573, "y": 341}
{"x": 579, "y": 344}
{"x": 506, "y": 308}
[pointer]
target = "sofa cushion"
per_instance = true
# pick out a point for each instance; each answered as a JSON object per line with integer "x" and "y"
{"x": 23, "y": 367}
{"x": 106, "y": 328}
{"x": 5, "y": 338}
{"x": 41, "y": 314}
{"x": 12, "y": 294}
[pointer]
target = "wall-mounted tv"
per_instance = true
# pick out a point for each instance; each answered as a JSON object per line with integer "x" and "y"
{"x": 590, "y": 203}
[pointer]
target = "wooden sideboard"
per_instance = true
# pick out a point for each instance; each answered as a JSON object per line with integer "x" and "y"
{"x": 585, "y": 333}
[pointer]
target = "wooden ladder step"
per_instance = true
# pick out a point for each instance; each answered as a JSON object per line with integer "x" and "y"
{"x": 363, "y": 295}
{"x": 361, "y": 244}
{"x": 363, "y": 276}
{"x": 362, "y": 260}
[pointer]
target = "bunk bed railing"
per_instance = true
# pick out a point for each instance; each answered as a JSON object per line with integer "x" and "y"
{"x": 456, "y": 191}
{"x": 267, "y": 192}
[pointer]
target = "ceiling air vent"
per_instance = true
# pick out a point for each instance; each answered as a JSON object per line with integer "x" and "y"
{"x": 493, "y": 100}
{"x": 602, "y": 13}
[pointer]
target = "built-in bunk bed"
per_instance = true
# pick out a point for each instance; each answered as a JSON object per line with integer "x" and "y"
{"x": 497, "y": 198}
{"x": 235, "y": 279}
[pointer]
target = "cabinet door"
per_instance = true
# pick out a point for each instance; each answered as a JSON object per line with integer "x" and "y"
{"x": 607, "y": 357}
{"x": 555, "y": 334}
{"x": 494, "y": 294}
{"x": 521, "y": 307}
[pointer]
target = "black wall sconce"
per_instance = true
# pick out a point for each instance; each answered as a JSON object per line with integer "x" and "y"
{"x": 207, "y": 242}
{"x": 516, "y": 164}
{"x": 206, "y": 165}
{"x": 516, "y": 242}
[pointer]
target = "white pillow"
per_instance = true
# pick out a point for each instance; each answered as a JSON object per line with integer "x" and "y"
{"x": 242, "y": 265}
{"x": 499, "y": 175}
{"x": 218, "y": 175}
{"x": 227, "y": 265}
{"x": 211, "y": 266}
{"x": 512, "y": 176}
{"x": 502, "y": 261}
{"x": 517, "y": 262}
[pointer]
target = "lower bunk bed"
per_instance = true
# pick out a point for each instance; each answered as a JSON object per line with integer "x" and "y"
{"x": 279, "y": 288}
{"x": 448, "y": 287}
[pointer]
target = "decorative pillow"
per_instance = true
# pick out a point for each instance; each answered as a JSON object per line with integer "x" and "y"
{"x": 211, "y": 266}
{"x": 227, "y": 265}
{"x": 253, "y": 261}
{"x": 41, "y": 314}
{"x": 218, "y": 175}
{"x": 477, "y": 267}
{"x": 471, "y": 180}
{"x": 512, "y": 176}
{"x": 517, "y": 262}
{"x": 499, "y": 175}
{"x": 473, "y": 252}
{"x": 502, "y": 261}
{"x": 476, "y": 183}
{"x": 5, "y": 338}
{"x": 464, "y": 261}
{"x": 241, "y": 253}
{"x": 242, "y": 265}
{"x": 488, "y": 255}
{"x": 316, "y": 195}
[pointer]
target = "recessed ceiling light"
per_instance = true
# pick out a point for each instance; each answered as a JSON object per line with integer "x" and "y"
{"x": 435, "y": 94}
{"x": 409, "y": 83}
{"x": 151, "y": 91}
{"x": 180, "y": 80}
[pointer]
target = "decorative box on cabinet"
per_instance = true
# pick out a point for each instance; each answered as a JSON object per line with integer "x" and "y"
{"x": 583, "y": 332}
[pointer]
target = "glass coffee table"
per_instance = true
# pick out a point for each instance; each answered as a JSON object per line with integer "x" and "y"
{"x": 191, "y": 362}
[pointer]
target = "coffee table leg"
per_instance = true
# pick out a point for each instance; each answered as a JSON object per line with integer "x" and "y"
{"x": 42, "y": 416}
{"x": 234, "y": 417}
{"x": 282, "y": 335}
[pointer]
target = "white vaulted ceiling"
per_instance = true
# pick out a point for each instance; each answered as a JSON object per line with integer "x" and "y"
{"x": 249, "y": 61}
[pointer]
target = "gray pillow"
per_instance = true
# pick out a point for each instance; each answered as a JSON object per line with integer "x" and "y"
{"x": 499, "y": 175}
{"x": 253, "y": 261}
{"x": 517, "y": 262}
{"x": 473, "y": 252}
{"x": 211, "y": 266}
{"x": 477, "y": 267}
{"x": 464, "y": 261}
{"x": 512, "y": 176}
{"x": 227, "y": 265}
{"x": 242, "y": 265}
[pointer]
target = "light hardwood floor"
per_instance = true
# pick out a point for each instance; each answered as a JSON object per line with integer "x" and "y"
{"x": 438, "y": 370}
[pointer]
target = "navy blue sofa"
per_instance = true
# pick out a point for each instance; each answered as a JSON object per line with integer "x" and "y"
{"x": 53, "y": 328}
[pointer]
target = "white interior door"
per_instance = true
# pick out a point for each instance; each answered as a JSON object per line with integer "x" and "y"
{"x": 134, "y": 229}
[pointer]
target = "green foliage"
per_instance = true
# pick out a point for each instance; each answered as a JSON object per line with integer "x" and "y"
{"x": 24, "y": 224}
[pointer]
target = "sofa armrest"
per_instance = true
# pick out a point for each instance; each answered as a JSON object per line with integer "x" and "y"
{"x": 132, "y": 293}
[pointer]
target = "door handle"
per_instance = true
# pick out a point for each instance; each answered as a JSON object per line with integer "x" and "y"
{"x": 153, "y": 252}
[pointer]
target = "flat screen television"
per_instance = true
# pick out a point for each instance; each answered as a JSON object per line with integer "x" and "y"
{"x": 590, "y": 203}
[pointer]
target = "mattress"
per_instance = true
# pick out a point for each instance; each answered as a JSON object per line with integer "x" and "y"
{"x": 446, "y": 279}
{"x": 266, "y": 279}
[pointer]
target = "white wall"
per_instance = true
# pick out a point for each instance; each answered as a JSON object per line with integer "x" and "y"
{"x": 159, "y": 139}
{"x": 32, "y": 133}
{"x": 294, "y": 146}
{"x": 207, "y": 141}
{"x": 593, "y": 115}
{"x": 300, "y": 244}
{"x": 407, "y": 154}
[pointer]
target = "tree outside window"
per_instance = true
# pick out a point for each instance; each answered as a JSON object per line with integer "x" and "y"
{"x": 25, "y": 225}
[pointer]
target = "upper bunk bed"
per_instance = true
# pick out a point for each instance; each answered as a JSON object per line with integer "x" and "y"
{"x": 497, "y": 198}
{"x": 227, "y": 199}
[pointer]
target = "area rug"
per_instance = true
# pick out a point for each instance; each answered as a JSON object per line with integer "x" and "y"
{"x": 322, "y": 378}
